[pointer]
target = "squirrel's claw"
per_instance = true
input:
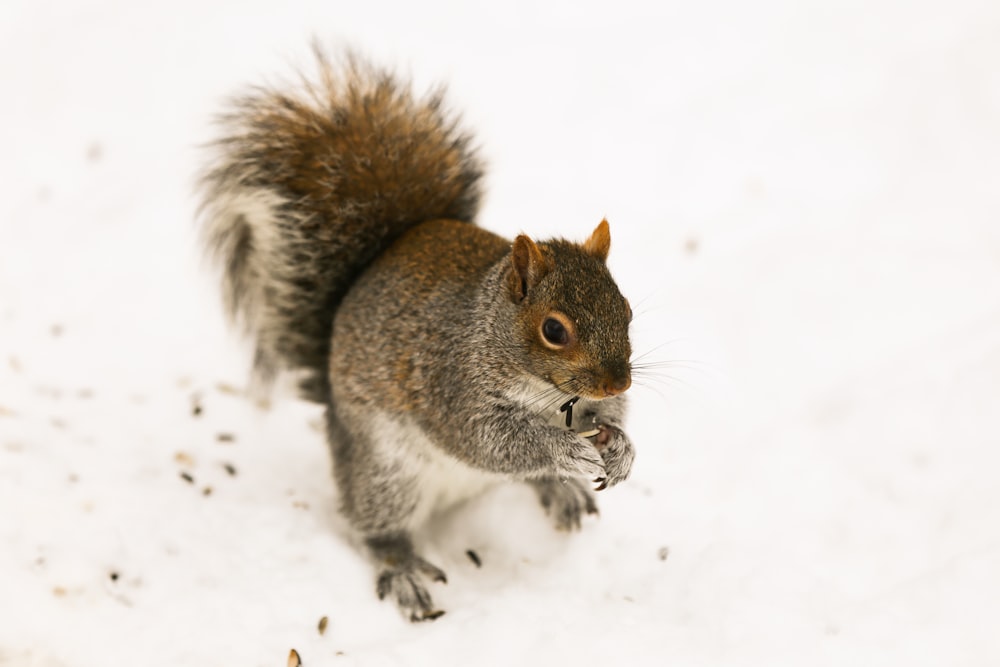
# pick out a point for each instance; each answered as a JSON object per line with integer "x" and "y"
{"x": 433, "y": 573}
{"x": 428, "y": 616}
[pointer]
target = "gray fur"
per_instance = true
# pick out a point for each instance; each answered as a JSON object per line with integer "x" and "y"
{"x": 466, "y": 398}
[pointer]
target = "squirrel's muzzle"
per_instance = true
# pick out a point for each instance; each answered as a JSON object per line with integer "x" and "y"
{"x": 616, "y": 383}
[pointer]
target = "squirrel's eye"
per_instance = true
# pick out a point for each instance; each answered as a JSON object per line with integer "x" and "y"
{"x": 554, "y": 332}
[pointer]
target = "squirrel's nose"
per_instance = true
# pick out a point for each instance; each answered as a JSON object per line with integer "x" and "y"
{"x": 616, "y": 384}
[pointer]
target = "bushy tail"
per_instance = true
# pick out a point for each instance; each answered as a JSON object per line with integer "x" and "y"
{"x": 307, "y": 187}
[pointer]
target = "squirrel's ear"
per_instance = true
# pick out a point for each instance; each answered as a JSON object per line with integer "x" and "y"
{"x": 529, "y": 267}
{"x": 599, "y": 242}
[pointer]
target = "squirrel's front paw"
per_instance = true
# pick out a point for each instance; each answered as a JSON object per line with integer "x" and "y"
{"x": 565, "y": 500}
{"x": 617, "y": 453}
{"x": 579, "y": 458}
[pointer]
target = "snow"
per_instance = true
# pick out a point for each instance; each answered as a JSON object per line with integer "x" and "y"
{"x": 804, "y": 207}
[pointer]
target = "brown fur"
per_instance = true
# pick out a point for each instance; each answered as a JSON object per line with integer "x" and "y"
{"x": 599, "y": 243}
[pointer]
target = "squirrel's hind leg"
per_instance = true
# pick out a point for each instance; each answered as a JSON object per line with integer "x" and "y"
{"x": 380, "y": 495}
{"x": 565, "y": 500}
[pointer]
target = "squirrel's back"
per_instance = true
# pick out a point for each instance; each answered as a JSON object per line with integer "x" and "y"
{"x": 307, "y": 188}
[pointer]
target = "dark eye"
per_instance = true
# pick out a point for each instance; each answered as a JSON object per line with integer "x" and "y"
{"x": 554, "y": 332}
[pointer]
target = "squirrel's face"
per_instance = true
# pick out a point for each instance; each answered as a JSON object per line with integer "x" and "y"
{"x": 572, "y": 320}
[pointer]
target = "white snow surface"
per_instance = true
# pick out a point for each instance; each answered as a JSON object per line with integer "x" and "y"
{"x": 805, "y": 210}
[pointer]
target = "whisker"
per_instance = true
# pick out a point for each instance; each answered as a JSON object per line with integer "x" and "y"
{"x": 569, "y": 387}
{"x": 548, "y": 390}
{"x": 642, "y": 307}
{"x": 547, "y": 399}
{"x": 651, "y": 387}
{"x": 656, "y": 349}
{"x": 663, "y": 378}
{"x": 664, "y": 362}
{"x": 549, "y": 403}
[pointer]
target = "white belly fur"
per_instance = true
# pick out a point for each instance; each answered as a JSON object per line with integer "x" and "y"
{"x": 443, "y": 480}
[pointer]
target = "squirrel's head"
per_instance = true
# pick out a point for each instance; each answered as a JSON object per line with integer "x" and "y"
{"x": 571, "y": 318}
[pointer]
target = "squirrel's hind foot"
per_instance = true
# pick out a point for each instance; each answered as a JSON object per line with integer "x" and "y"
{"x": 566, "y": 501}
{"x": 411, "y": 596}
{"x": 401, "y": 575}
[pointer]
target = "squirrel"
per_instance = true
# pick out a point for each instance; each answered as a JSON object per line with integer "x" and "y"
{"x": 449, "y": 359}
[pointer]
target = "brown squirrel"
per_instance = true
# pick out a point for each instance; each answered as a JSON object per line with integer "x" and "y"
{"x": 448, "y": 358}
